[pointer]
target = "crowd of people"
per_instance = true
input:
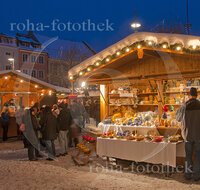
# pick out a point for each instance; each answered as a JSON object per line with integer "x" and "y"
{"x": 41, "y": 126}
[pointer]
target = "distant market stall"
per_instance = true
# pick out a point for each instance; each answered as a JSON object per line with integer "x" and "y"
{"x": 143, "y": 80}
{"x": 26, "y": 91}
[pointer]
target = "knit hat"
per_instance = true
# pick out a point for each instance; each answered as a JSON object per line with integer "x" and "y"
{"x": 193, "y": 92}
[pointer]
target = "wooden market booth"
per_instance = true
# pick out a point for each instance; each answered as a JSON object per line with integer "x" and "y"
{"x": 142, "y": 59}
{"x": 162, "y": 66}
{"x": 26, "y": 91}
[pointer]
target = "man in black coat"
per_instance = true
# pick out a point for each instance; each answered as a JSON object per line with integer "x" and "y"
{"x": 64, "y": 122}
{"x": 189, "y": 115}
{"x": 49, "y": 129}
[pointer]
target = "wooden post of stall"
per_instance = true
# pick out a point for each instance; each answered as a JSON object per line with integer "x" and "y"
{"x": 1, "y": 100}
{"x": 103, "y": 101}
{"x": 160, "y": 98}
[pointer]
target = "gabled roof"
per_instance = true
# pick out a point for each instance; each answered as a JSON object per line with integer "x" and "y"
{"x": 157, "y": 38}
{"x": 34, "y": 80}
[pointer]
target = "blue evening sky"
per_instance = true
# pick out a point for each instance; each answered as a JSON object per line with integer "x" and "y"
{"x": 150, "y": 13}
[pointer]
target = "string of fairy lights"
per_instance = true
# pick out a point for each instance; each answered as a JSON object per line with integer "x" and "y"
{"x": 177, "y": 47}
{"x": 49, "y": 92}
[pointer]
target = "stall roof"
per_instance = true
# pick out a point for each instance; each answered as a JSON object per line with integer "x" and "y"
{"x": 37, "y": 81}
{"x": 158, "y": 38}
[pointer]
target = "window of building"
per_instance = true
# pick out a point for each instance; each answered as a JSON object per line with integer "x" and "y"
{"x": 41, "y": 59}
{"x": 25, "y": 57}
{"x": 8, "y": 67}
{"x": 33, "y": 73}
{"x": 41, "y": 74}
{"x": 33, "y": 58}
{"x": 7, "y": 53}
{"x": 25, "y": 71}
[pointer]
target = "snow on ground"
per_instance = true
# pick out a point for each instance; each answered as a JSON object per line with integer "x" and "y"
{"x": 16, "y": 172}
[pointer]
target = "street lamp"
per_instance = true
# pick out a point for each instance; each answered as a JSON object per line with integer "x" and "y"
{"x": 12, "y": 61}
{"x": 135, "y": 25}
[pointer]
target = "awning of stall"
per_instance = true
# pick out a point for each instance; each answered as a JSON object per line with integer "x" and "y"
{"x": 25, "y": 89}
{"x": 18, "y": 81}
{"x": 143, "y": 55}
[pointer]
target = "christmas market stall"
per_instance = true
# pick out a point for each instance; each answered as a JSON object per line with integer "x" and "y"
{"x": 143, "y": 80}
{"x": 24, "y": 90}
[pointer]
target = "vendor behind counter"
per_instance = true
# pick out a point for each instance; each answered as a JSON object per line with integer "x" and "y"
{"x": 12, "y": 124}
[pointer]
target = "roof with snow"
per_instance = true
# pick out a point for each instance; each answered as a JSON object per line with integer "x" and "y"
{"x": 37, "y": 81}
{"x": 27, "y": 39}
{"x": 157, "y": 38}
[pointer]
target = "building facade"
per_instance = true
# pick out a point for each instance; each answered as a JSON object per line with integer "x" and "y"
{"x": 26, "y": 53}
{"x": 8, "y": 49}
{"x": 34, "y": 63}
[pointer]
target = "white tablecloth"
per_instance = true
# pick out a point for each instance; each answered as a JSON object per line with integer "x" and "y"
{"x": 141, "y": 151}
{"x": 141, "y": 130}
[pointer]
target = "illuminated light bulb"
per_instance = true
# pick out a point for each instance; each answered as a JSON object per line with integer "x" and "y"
{"x": 88, "y": 69}
{"x": 50, "y": 92}
{"x": 164, "y": 46}
{"x": 71, "y": 77}
{"x": 6, "y": 77}
{"x": 127, "y": 49}
{"x": 81, "y": 73}
{"x": 178, "y": 48}
{"x": 118, "y": 53}
{"x": 194, "y": 47}
{"x": 21, "y": 81}
{"x": 150, "y": 43}
{"x": 107, "y": 59}
{"x": 139, "y": 46}
{"x": 36, "y": 86}
{"x": 42, "y": 94}
{"x": 97, "y": 63}
{"x": 135, "y": 25}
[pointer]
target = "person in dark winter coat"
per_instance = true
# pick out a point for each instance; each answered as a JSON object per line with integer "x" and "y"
{"x": 29, "y": 129}
{"x": 49, "y": 128}
{"x": 5, "y": 122}
{"x": 189, "y": 115}
{"x": 76, "y": 111}
{"x": 64, "y": 122}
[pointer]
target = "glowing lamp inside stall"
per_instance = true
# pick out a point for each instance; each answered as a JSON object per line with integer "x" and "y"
{"x": 139, "y": 46}
{"x": 71, "y": 77}
{"x": 178, "y": 48}
{"x": 5, "y": 77}
{"x": 194, "y": 47}
{"x": 83, "y": 84}
{"x": 127, "y": 49}
{"x": 50, "y": 92}
{"x": 21, "y": 81}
